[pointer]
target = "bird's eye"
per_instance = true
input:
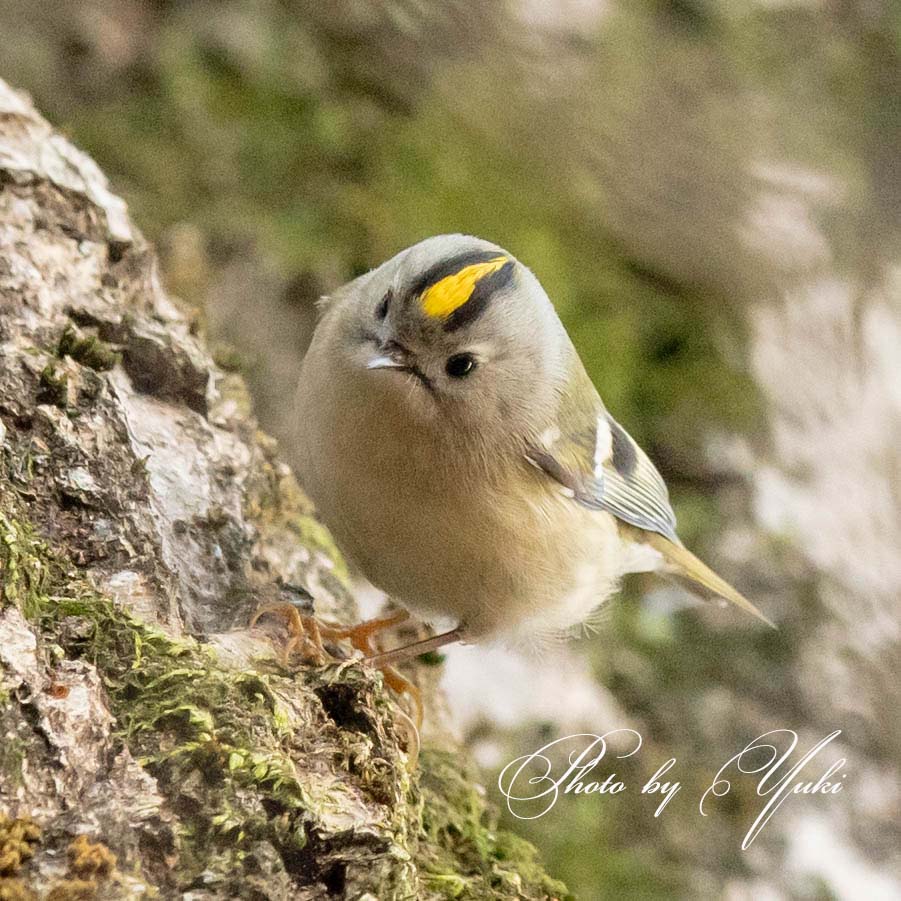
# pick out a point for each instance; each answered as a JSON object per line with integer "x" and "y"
{"x": 381, "y": 311}
{"x": 460, "y": 365}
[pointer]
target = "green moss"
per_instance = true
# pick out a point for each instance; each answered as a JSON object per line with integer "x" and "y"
{"x": 215, "y": 739}
{"x": 54, "y": 386}
{"x": 229, "y": 358}
{"x": 26, "y": 573}
{"x": 87, "y": 350}
{"x": 12, "y": 758}
{"x": 463, "y": 854}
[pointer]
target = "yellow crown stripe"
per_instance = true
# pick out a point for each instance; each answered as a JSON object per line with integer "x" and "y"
{"x": 442, "y": 298}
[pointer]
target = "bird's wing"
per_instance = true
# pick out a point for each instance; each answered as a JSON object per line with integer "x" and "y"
{"x": 600, "y": 466}
{"x": 594, "y": 457}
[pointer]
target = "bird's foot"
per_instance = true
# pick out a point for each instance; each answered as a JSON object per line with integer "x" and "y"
{"x": 305, "y": 633}
{"x": 306, "y": 636}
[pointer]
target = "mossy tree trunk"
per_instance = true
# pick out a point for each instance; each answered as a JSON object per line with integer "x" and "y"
{"x": 148, "y": 741}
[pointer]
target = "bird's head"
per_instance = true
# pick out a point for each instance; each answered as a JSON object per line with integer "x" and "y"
{"x": 460, "y": 332}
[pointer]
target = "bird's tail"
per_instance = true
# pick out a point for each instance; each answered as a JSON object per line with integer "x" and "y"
{"x": 682, "y": 562}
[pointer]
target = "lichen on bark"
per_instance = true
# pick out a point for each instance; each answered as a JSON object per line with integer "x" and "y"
{"x": 159, "y": 744}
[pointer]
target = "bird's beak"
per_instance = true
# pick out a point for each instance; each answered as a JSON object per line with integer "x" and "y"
{"x": 385, "y": 362}
{"x": 391, "y": 355}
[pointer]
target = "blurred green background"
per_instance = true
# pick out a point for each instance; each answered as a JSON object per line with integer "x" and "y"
{"x": 662, "y": 165}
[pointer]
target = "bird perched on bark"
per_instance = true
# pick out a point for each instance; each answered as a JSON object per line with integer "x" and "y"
{"x": 456, "y": 448}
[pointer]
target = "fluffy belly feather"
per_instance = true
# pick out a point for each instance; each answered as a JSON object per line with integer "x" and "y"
{"x": 518, "y": 561}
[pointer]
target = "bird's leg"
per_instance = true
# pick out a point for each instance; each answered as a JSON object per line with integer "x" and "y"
{"x": 415, "y": 648}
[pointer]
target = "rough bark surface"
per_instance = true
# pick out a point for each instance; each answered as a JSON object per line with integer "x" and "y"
{"x": 149, "y": 743}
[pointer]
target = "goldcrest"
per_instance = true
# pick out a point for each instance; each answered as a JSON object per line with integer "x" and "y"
{"x": 456, "y": 448}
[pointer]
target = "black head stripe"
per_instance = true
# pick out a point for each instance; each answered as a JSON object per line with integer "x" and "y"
{"x": 450, "y": 266}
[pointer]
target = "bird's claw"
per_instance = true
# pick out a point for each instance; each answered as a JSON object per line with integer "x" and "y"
{"x": 306, "y": 636}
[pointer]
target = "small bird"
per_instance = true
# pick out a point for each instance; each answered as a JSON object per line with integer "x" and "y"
{"x": 453, "y": 443}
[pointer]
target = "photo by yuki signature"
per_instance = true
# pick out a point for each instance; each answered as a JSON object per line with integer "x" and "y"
{"x": 532, "y": 784}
